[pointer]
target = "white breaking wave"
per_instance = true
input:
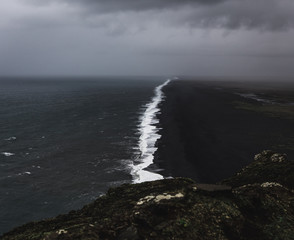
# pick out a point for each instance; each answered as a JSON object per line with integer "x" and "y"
{"x": 24, "y": 173}
{"x": 10, "y": 139}
{"x": 7, "y": 154}
{"x": 148, "y": 137}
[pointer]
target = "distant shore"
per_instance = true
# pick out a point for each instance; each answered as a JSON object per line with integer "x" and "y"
{"x": 208, "y": 136}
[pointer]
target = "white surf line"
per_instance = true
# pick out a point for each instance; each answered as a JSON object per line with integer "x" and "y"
{"x": 148, "y": 138}
{"x": 7, "y": 154}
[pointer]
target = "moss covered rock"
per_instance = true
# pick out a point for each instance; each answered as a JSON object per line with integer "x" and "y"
{"x": 257, "y": 203}
{"x": 266, "y": 167}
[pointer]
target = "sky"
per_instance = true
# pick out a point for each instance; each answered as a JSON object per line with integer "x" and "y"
{"x": 147, "y": 37}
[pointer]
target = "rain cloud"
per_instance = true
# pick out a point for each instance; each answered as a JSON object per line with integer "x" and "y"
{"x": 146, "y": 37}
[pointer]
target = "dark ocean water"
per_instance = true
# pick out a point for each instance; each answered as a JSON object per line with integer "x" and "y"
{"x": 64, "y": 142}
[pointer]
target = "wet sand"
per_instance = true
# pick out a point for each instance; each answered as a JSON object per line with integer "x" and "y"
{"x": 207, "y": 137}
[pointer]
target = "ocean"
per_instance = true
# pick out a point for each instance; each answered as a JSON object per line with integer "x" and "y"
{"x": 65, "y": 141}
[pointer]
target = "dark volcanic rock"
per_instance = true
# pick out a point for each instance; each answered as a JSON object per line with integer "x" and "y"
{"x": 266, "y": 167}
{"x": 257, "y": 203}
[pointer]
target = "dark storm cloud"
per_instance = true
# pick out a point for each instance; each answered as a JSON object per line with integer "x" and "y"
{"x": 127, "y": 37}
{"x": 249, "y": 14}
{"x": 131, "y": 5}
{"x": 229, "y": 14}
{"x": 135, "y": 5}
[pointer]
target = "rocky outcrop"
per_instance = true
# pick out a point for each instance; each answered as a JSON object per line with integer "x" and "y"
{"x": 266, "y": 167}
{"x": 257, "y": 203}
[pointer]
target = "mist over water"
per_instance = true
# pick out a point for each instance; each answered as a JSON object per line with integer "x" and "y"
{"x": 65, "y": 142}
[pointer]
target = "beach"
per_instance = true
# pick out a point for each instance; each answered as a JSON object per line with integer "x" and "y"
{"x": 208, "y": 132}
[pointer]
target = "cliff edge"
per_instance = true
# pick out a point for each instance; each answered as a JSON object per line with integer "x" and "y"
{"x": 256, "y": 203}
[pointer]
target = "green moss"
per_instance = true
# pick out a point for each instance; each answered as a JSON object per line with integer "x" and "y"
{"x": 184, "y": 222}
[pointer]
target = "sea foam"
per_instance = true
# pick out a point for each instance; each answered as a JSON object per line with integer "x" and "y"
{"x": 148, "y": 137}
{"x": 7, "y": 154}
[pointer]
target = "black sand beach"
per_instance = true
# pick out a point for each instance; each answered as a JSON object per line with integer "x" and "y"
{"x": 209, "y": 132}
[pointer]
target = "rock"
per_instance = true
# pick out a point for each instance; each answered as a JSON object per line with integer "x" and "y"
{"x": 211, "y": 187}
{"x": 277, "y": 157}
{"x": 130, "y": 233}
{"x": 267, "y": 167}
{"x": 270, "y": 155}
{"x": 271, "y": 184}
{"x": 256, "y": 203}
{"x": 265, "y": 154}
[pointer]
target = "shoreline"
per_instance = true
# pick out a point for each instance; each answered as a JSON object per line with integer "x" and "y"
{"x": 148, "y": 138}
{"x": 249, "y": 205}
{"x": 204, "y": 136}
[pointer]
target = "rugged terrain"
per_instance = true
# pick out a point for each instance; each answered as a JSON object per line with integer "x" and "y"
{"x": 256, "y": 203}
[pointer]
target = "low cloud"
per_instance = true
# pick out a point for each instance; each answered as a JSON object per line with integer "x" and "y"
{"x": 129, "y": 5}
{"x": 146, "y": 37}
{"x": 269, "y": 15}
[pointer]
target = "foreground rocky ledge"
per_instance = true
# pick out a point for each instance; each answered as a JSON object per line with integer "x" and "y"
{"x": 257, "y": 203}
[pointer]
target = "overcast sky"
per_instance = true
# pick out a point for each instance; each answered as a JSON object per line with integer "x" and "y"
{"x": 147, "y": 37}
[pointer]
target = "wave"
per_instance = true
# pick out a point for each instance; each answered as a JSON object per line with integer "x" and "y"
{"x": 7, "y": 154}
{"x": 148, "y": 137}
{"x": 10, "y": 139}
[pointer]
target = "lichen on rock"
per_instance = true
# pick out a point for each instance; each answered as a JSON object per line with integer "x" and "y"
{"x": 257, "y": 203}
{"x": 159, "y": 197}
{"x": 271, "y": 184}
{"x": 278, "y": 157}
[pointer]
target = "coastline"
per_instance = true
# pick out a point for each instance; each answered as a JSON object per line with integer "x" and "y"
{"x": 204, "y": 136}
{"x": 252, "y": 204}
{"x": 148, "y": 137}
{"x": 204, "y": 133}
